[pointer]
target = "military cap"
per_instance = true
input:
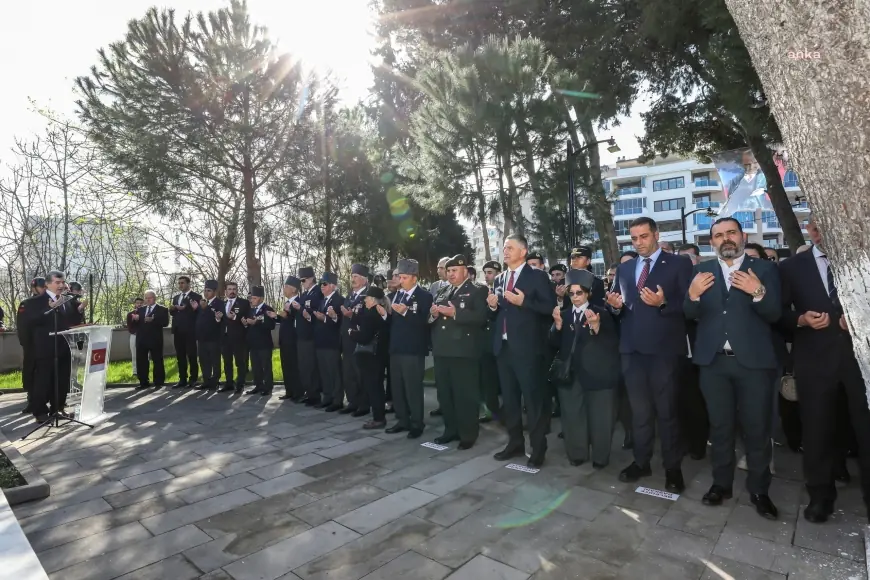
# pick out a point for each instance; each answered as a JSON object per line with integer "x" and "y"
{"x": 37, "y": 283}
{"x": 306, "y": 272}
{"x": 581, "y": 251}
{"x": 492, "y": 264}
{"x": 328, "y": 278}
{"x": 360, "y": 270}
{"x": 584, "y": 278}
{"x": 293, "y": 281}
{"x": 409, "y": 267}
{"x": 559, "y": 267}
{"x": 75, "y": 286}
{"x": 211, "y": 285}
{"x": 375, "y": 292}
{"x": 534, "y": 256}
{"x": 457, "y": 260}
{"x": 258, "y": 291}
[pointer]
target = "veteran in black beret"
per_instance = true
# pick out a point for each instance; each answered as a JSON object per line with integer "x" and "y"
{"x": 581, "y": 259}
{"x": 327, "y": 343}
{"x": 585, "y": 336}
{"x": 409, "y": 345}
{"x": 535, "y": 260}
{"x": 457, "y": 318}
{"x": 260, "y": 323}
{"x": 287, "y": 343}
{"x": 209, "y": 330}
{"x": 357, "y": 396}
{"x": 308, "y": 303}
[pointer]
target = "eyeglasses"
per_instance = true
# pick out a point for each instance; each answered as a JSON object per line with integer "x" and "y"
{"x": 576, "y": 293}
{"x": 324, "y": 284}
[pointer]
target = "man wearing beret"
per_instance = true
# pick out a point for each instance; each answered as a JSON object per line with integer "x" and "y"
{"x": 409, "y": 345}
{"x": 457, "y": 319}
{"x": 535, "y": 260}
{"x": 287, "y": 315}
{"x": 209, "y": 324}
{"x": 489, "y": 387}
{"x": 308, "y": 303}
{"x": 327, "y": 343}
{"x": 260, "y": 324}
{"x": 357, "y": 397}
{"x": 581, "y": 259}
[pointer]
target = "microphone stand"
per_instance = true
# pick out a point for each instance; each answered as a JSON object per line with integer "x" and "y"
{"x": 57, "y": 415}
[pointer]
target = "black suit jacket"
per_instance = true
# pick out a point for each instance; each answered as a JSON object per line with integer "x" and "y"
{"x": 525, "y": 323}
{"x": 804, "y": 291}
{"x": 208, "y": 329}
{"x": 260, "y": 334}
{"x": 234, "y": 329}
{"x": 647, "y": 329}
{"x": 40, "y": 326}
{"x": 327, "y": 334}
{"x": 184, "y": 320}
{"x": 409, "y": 334}
{"x": 733, "y": 316}
{"x": 151, "y": 333}
{"x": 310, "y": 303}
{"x": 287, "y": 323}
{"x": 596, "y": 357}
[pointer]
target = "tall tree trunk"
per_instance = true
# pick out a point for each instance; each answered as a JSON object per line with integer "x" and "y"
{"x": 506, "y": 198}
{"x": 791, "y": 229}
{"x": 481, "y": 217}
{"x": 597, "y": 197}
{"x": 249, "y": 227}
{"x": 821, "y": 107}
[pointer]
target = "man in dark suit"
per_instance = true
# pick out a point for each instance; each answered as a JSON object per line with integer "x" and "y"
{"x": 75, "y": 309}
{"x": 184, "y": 332}
{"x": 409, "y": 345}
{"x": 37, "y": 288}
{"x": 489, "y": 387}
{"x": 523, "y": 298}
{"x": 287, "y": 343}
{"x": 309, "y": 302}
{"x": 260, "y": 323}
{"x": 647, "y": 297}
{"x": 209, "y": 326}
{"x": 357, "y": 397}
{"x": 735, "y": 300}
{"x": 235, "y": 342}
{"x": 327, "y": 343}
{"x": 824, "y": 358}
{"x": 40, "y": 325}
{"x": 153, "y": 318}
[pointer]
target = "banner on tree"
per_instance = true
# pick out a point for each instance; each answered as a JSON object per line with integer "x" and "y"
{"x": 743, "y": 181}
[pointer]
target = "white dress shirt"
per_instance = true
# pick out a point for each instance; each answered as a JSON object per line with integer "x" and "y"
{"x": 727, "y": 271}
{"x": 822, "y": 264}
{"x": 638, "y": 267}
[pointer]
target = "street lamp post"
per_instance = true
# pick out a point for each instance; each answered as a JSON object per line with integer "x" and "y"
{"x": 612, "y": 147}
{"x": 684, "y": 215}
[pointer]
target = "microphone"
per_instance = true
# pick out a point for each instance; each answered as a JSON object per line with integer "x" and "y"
{"x": 63, "y": 299}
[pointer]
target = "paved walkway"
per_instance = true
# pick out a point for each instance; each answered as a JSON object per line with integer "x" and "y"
{"x": 187, "y": 485}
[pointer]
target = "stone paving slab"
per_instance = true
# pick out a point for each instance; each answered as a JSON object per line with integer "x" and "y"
{"x": 410, "y": 566}
{"x": 177, "y": 484}
{"x": 74, "y": 552}
{"x": 482, "y": 567}
{"x": 372, "y": 516}
{"x": 194, "y": 512}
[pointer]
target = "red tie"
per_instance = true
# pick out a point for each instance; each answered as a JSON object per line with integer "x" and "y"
{"x": 644, "y": 274}
{"x": 510, "y": 288}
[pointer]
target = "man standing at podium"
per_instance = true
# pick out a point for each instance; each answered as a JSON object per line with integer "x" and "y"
{"x": 41, "y": 325}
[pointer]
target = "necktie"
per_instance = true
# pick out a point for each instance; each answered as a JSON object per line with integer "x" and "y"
{"x": 644, "y": 274}
{"x": 578, "y": 319}
{"x": 400, "y": 297}
{"x": 832, "y": 285}
{"x": 148, "y": 312}
{"x": 510, "y": 288}
{"x": 451, "y": 293}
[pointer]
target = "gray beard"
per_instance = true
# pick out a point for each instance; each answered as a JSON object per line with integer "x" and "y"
{"x": 728, "y": 253}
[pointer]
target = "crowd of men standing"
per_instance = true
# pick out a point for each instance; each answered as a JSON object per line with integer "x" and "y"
{"x": 691, "y": 351}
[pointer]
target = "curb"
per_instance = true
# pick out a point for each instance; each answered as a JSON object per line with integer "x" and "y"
{"x": 36, "y": 486}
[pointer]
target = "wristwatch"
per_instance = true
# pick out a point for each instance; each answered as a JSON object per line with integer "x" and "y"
{"x": 759, "y": 292}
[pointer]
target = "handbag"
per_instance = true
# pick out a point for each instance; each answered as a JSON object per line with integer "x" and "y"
{"x": 561, "y": 372}
{"x": 787, "y": 388}
{"x": 370, "y": 348}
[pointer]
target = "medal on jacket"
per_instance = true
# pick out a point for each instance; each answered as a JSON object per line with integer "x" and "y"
{"x": 414, "y": 307}
{"x": 462, "y": 304}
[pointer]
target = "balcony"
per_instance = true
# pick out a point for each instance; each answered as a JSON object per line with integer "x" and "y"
{"x": 769, "y": 221}
{"x": 790, "y": 179}
{"x": 708, "y": 204}
{"x": 629, "y": 190}
{"x": 800, "y": 207}
{"x": 706, "y": 183}
{"x": 705, "y": 248}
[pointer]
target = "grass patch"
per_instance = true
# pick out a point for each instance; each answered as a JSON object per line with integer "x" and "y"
{"x": 122, "y": 372}
{"x": 9, "y": 476}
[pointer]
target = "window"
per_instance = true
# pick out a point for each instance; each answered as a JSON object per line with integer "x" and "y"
{"x": 670, "y": 226}
{"x": 629, "y": 206}
{"x": 669, "y": 204}
{"x": 790, "y": 179}
{"x": 626, "y": 248}
{"x": 621, "y": 227}
{"x": 628, "y": 187}
{"x": 598, "y": 269}
{"x": 696, "y": 199}
{"x": 746, "y": 219}
{"x": 672, "y": 183}
{"x": 768, "y": 218}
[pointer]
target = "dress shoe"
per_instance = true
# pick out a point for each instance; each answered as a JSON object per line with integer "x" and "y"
{"x": 226, "y": 389}
{"x": 557, "y": 412}
{"x": 375, "y": 425}
{"x": 396, "y": 429}
{"x": 323, "y": 405}
{"x": 444, "y": 440}
{"x": 389, "y": 409}
{"x": 415, "y": 433}
{"x": 561, "y": 434}
{"x": 202, "y": 387}
{"x": 598, "y": 465}
{"x": 41, "y": 418}
{"x": 298, "y": 399}
{"x": 285, "y": 398}
{"x": 347, "y": 411}
{"x": 238, "y": 390}
{"x": 698, "y": 456}
{"x": 143, "y": 387}
{"x": 360, "y": 413}
{"x": 180, "y": 385}
{"x": 716, "y": 495}
{"x": 576, "y": 462}
{"x": 311, "y": 402}
{"x": 266, "y": 393}
{"x": 536, "y": 461}
{"x": 764, "y": 506}
{"x": 333, "y": 408}
{"x": 254, "y": 391}
{"x": 485, "y": 419}
{"x": 26, "y": 410}
{"x": 463, "y": 445}
{"x": 634, "y": 472}
{"x": 818, "y": 511}
{"x": 435, "y": 413}
{"x": 674, "y": 481}
{"x": 509, "y": 453}
{"x": 628, "y": 441}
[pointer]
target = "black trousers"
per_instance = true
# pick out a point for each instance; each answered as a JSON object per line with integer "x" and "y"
{"x": 407, "y": 371}
{"x": 370, "y": 368}
{"x": 185, "y": 352}
{"x": 693, "y": 409}
{"x": 210, "y": 361}
{"x": 308, "y": 368}
{"x": 357, "y": 396}
{"x": 43, "y": 397}
{"x": 156, "y": 352}
{"x": 290, "y": 369}
{"x": 522, "y": 380}
{"x": 385, "y": 374}
{"x": 261, "y": 365}
{"x": 622, "y": 407}
{"x": 235, "y": 350}
{"x": 489, "y": 387}
{"x": 818, "y": 387}
{"x": 329, "y": 371}
{"x": 653, "y": 387}
{"x": 27, "y": 371}
{"x": 737, "y": 395}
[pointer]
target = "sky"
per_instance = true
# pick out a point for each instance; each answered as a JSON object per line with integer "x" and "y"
{"x": 47, "y": 44}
